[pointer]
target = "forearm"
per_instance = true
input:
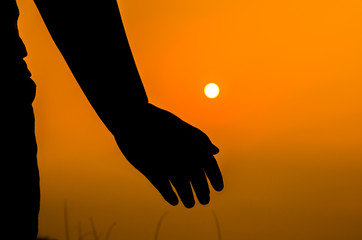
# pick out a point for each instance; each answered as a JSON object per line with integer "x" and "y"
{"x": 91, "y": 37}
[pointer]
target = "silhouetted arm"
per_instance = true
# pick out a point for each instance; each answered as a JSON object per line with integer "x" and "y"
{"x": 165, "y": 149}
{"x": 91, "y": 37}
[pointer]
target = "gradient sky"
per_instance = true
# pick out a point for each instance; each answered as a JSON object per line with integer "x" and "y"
{"x": 288, "y": 121}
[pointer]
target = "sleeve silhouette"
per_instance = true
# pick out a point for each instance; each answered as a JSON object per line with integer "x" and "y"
{"x": 166, "y": 150}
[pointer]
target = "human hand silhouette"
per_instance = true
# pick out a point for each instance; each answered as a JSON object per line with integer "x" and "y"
{"x": 165, "y": 149}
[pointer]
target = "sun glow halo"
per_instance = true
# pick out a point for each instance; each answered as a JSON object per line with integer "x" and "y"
{"x": 211, "y": 90}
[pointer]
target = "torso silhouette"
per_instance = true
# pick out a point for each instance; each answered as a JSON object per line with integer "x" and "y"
{"x": 19, "y": 179}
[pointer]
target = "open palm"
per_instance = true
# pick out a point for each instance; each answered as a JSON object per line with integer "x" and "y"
{"x": 167, "y": 150}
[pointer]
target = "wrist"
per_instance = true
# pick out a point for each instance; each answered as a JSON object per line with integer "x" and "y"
{"x": 128, "y": 119}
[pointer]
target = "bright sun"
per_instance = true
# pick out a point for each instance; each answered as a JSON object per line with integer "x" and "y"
{"x": 211, "y": 90}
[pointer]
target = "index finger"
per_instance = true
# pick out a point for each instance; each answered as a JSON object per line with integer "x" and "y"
{"x": 213, "y": 173}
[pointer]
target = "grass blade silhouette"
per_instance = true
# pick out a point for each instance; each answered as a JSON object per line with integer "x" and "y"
{"x": 217, "y": 225}
{"x": 109, "y": 230}
{"x": 66, "y": 226}
{"x": 159, "y": 224}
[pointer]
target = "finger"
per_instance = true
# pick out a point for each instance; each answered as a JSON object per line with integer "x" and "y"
{"x": 204, "y": 139}
{"x": 200, "y": 186}
{"x": 162, "y": 184}
{"x": 213, "y": 172}
{"x": 184, "y": 191}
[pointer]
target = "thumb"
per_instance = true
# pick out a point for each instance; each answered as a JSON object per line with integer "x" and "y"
{"x": 204, "y": 139}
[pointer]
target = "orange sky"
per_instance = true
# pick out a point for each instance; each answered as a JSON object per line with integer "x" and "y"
{"x": 287, "y": 120}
